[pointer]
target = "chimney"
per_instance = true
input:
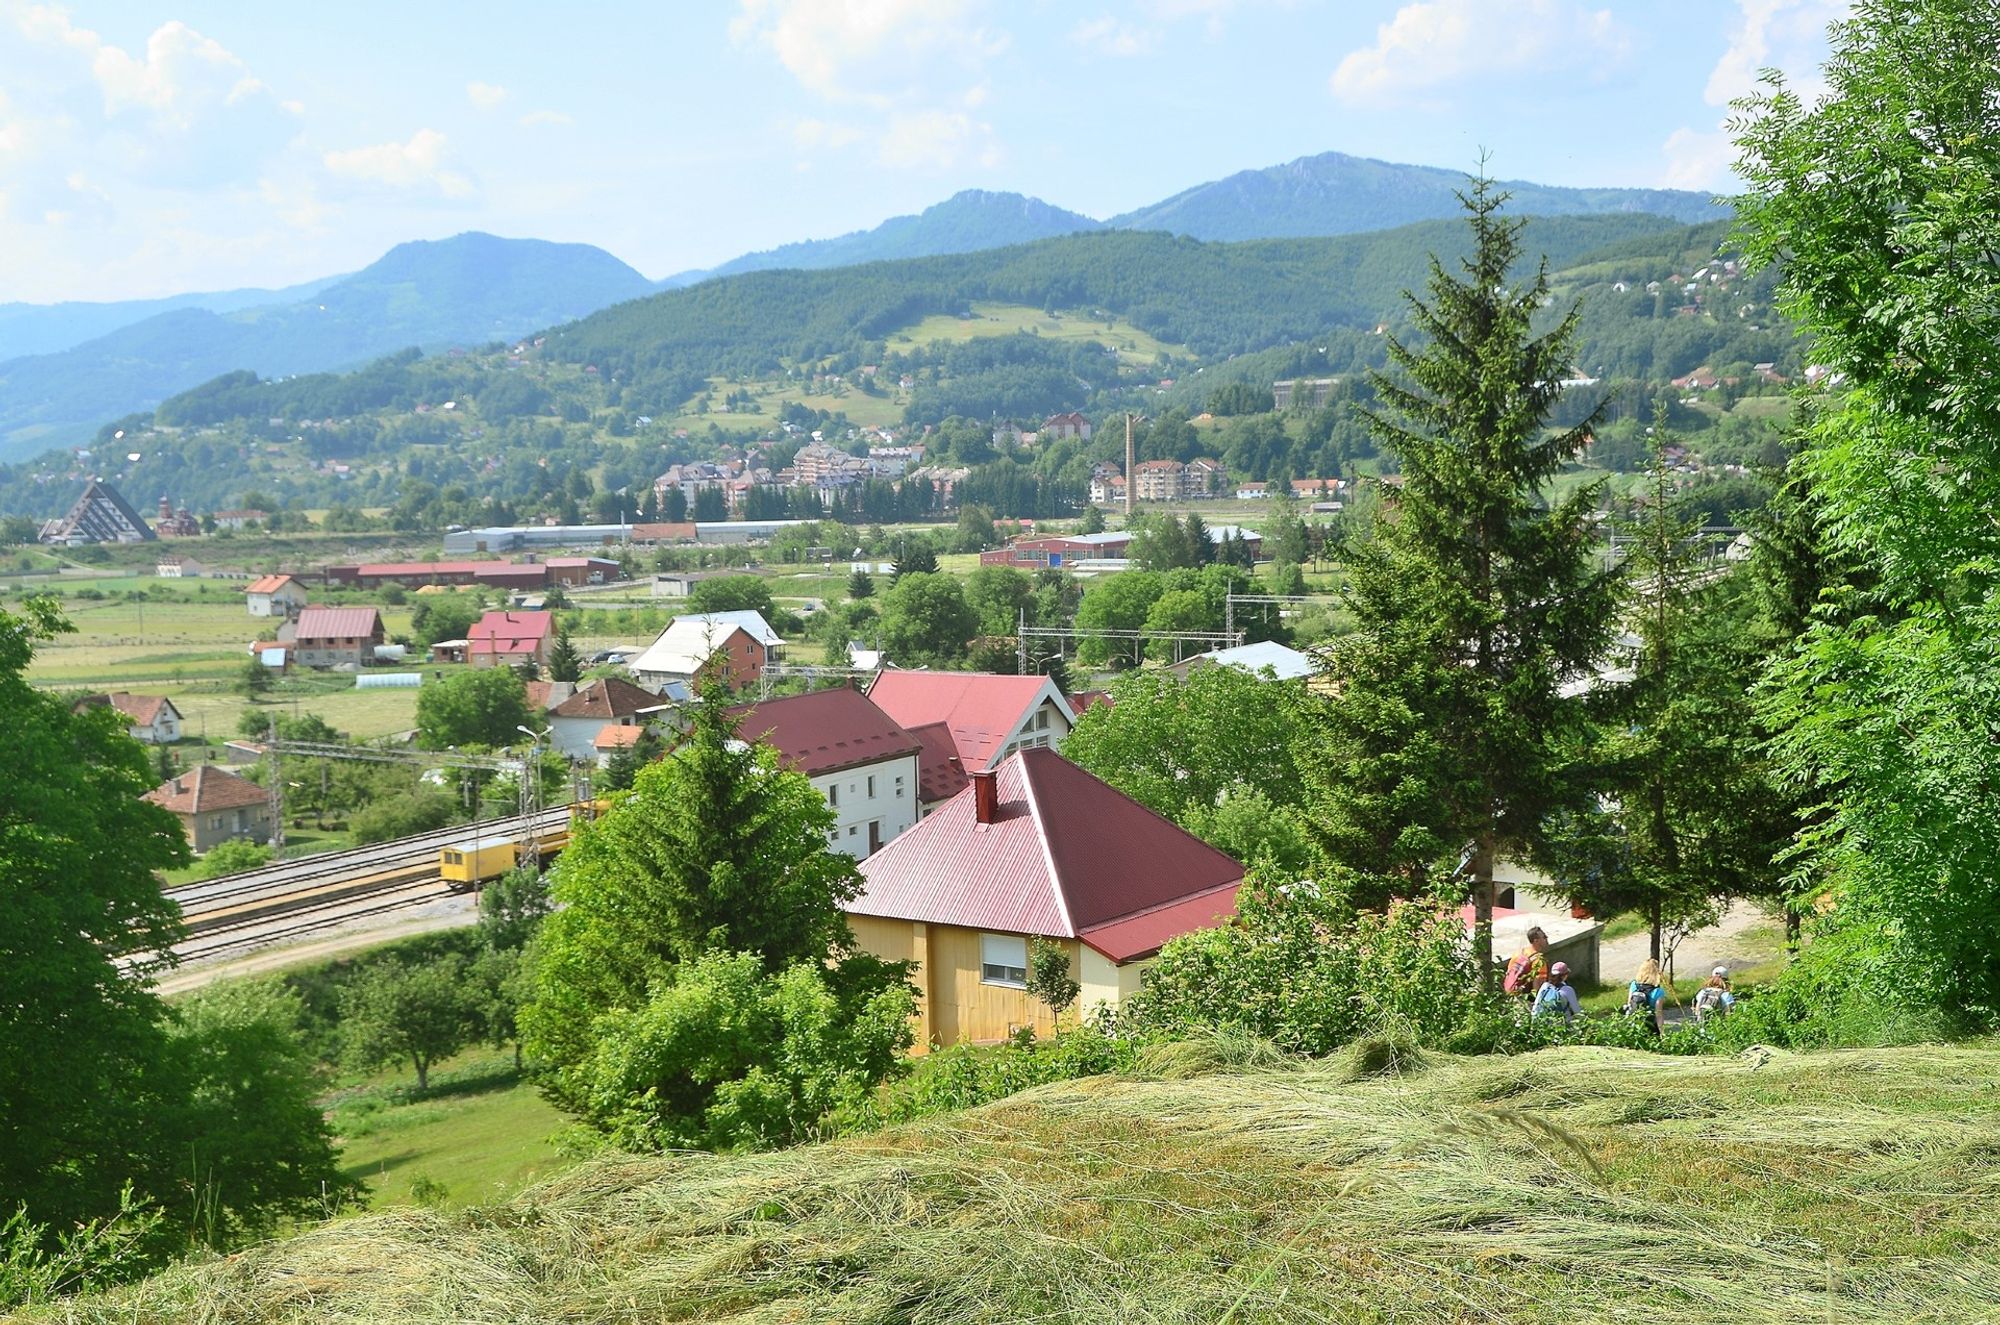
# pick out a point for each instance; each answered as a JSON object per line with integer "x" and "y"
{"x": 985, "y": 797}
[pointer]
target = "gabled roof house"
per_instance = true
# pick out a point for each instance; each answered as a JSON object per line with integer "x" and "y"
{"x": 968, "y": 721}
{"x": 1035, "y": 850}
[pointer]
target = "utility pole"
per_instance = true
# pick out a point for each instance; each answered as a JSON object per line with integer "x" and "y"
{"x": 1131, "y": 476}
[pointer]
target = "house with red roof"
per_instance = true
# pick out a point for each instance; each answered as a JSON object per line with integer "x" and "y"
{"x": 152, "y": 718}
{"x": 274, "y": 595}
{"x": 861, "y": 759}
{"x": 580, "y": 718}
{"x": 970, "y": 721}
{"x": 334, "y": 636}
{"x": 214, "y": 805}
{"x": 1033, "y": 851}
{"x": 508, "y": 638}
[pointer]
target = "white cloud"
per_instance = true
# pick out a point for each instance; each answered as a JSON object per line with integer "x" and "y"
{"x": 554, "y": 118}
{"x": 1438, "y": 43}
{"x": 1787, "y": 35}
{"x": 810, "y": 135}
{"x": 927, "y": 139}
{"x": 867, "y": 51}
{"x": 1109, "y": 36}
{"x": 420, "y": 165}
{"x": 486, "y": 96}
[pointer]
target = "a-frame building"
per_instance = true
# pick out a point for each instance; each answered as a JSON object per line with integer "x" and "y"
{"x": 99, "y": 516}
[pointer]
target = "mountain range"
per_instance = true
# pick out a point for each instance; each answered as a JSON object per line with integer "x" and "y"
{"x": 78, "y": 365}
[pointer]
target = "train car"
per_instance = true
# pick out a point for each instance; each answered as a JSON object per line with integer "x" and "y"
{"x": 469, "y": 864}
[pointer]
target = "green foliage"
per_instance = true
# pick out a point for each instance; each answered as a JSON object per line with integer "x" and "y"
{"x": 253, "y": 678}
{"x": 1476, "y": 598}
{"x": 860, "y": 584}
{"x": 1049, "y": 977}
{"x": 926, "y": 621}
{"x": 914, "y": 556}
{"x": 418, "y": 809}
{"x": 444, "y": 616}
{"x": 716, "y": 852}
{"x": 418, "y": 1013}
{"x": 513, "y": 906}
{"x": 1303, "y": 968}
{"x": 1115, "y": 602}
{"x": 1184, "y": 748}
{"x": 1092, "y": 521}
{"x": 1887, "y": 705}
{"x": 232, "y": 857}
{"x": 964, "y": 1076}
{"x": 733, "y": 593}
{"x": 622, "y": 769}
{"x": 997, "y": 596}
{"x": 564, "y": 662}
{"x": 39, "y": 1264}
{"x": 478, "y": 706}
{"x": 725, "y": 1054}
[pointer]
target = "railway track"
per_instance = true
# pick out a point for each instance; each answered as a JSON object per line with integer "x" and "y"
{"x": 295, "y": 898}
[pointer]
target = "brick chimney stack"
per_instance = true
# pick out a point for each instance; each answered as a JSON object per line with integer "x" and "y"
{"x": 985, "y": 797}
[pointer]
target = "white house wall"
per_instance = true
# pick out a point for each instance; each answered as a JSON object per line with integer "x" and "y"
{"x": 893, "y": 802}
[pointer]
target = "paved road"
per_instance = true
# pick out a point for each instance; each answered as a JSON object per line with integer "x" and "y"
{"x": 1740, "y": 939}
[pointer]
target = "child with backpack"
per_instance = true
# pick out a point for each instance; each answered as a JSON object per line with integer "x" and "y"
{"x": 1715, "y": 997}
{"x": 1646, "y": 994}
{"x": 1555, "y": 996}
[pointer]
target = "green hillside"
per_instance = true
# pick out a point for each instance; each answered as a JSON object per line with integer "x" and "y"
{"x": 1576, "y": 1185}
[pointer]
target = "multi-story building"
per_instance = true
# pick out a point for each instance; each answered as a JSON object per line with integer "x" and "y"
{"x": 507, "y": 638}
{"x": 1303, "y": 393}
{"x": 214, "y": 805}
{"x": 1060, "y": 426}
{"x": 859, "y": 758}
{"x": 151, "y": 718}
{"x": 333, "y": 636}
{"x": 275, "y": 595}
{"x": 1159, "y": 480}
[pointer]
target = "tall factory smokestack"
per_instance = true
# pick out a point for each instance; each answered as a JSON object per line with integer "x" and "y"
{"x": 1131, "y": 470}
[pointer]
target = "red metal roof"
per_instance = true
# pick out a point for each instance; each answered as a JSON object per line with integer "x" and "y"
{"x": 826, "y": 730}
{"x": 1066, "y": 856}
{"x": 510, "y": 632}
{"x": 981, "y": 709}
{"x": 337, "y": 623}
{"x": 940, "y": 772}
{"x": 612, "y": 736}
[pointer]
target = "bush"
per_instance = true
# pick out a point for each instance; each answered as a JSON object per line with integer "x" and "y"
{"x": 1307, "y": 971}
{"x": 726, "y": 1057}
{"x": 420, "y": 811}
{"x": 1846, "y": 988}
{"x": 232, "y": 857}
{"x": 965, "y": 1076}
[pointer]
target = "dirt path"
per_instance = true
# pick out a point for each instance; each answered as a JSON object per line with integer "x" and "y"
{"x": 1743, "y": 937}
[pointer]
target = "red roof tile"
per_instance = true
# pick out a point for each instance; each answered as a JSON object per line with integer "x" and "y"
{"x": 826, "y": 730}
{"x": 940, "y": 772}
{"x": 267, "y": 584}
{"x": 207, "y": 788}
{"x": 981, "y": 709}
{"x": 143, "y": 710}
{"x": 613, "y": 736}
{"x": 606, "y": 697}
{"x": 1067, "y": 856}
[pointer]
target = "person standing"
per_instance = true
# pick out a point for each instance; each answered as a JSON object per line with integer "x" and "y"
{"x": 1555, "y": 996}
{"x": 1529, "y": 967}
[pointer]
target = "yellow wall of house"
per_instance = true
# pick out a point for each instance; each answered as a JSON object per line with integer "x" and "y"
{"x": 956, "y": 1005}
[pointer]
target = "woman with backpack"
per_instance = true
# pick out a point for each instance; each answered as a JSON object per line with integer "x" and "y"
{"x": 1647, "y": 994}
{"x": 1556, "y": 996}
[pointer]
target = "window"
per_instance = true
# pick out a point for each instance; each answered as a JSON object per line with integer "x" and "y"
{"x": 871, "y": 786}
{"x": 899, "y": 786}
{"x": 1003, "y": 960}
{"x": 833, "y": 794}
{"x": 1041, "y": 719}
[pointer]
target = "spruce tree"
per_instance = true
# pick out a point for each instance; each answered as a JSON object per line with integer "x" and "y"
{"x": 564, "y": 664}
{"x": 1476, "y": 598}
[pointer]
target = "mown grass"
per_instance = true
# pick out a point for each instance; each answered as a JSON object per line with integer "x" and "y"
{"x": 989, "y": 319}
{"x": 1580, "y": 1185}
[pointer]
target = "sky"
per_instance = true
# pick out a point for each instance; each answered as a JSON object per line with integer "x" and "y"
{"x": 151, "y": 147}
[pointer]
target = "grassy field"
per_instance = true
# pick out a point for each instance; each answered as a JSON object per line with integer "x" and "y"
{"x": 1133, "y": 345}
{"x": 480, "y": 1133}
{"x": 1573, "y": 1185}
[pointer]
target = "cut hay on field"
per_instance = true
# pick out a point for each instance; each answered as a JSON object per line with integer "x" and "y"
{"x": 1573, "y": 1185}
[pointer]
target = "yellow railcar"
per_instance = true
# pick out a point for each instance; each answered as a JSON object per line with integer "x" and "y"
{"x": 469, "y": 864}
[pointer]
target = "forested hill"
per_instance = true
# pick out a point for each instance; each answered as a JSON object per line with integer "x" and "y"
{"x": 468, "y": 290}
{"x": 1334, "y": 193}
{"x": 1216, "y": 299}
{"x": 964, "y": 223}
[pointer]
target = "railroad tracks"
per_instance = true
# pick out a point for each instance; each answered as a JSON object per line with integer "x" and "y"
{"x": 297, "y": 898}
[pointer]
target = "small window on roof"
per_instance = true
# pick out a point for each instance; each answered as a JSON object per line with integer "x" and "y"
{"x": 1003, "y": 960}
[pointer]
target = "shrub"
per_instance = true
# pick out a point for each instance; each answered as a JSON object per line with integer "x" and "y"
{"x": 964, "y": 1076}
{"x": 1304, "y": 969}
{"x": 232, "y": 857}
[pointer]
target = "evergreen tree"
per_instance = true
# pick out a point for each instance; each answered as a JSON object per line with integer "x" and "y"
{"x": 860, "y": 584}
{"x": 913, "y": 557}
{"x": 1476, "y": 599}
{"x": 1092, "y": 521}
{"x": 1201, "y": 548}
{"x": 564, "y": 664}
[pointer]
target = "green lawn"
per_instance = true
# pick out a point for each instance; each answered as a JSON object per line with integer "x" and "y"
{"x": 481, "y": 1132}
{"x": 1133, "y": 345}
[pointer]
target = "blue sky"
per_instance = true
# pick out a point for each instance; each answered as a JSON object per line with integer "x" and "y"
{"x": 149, "y": 147}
